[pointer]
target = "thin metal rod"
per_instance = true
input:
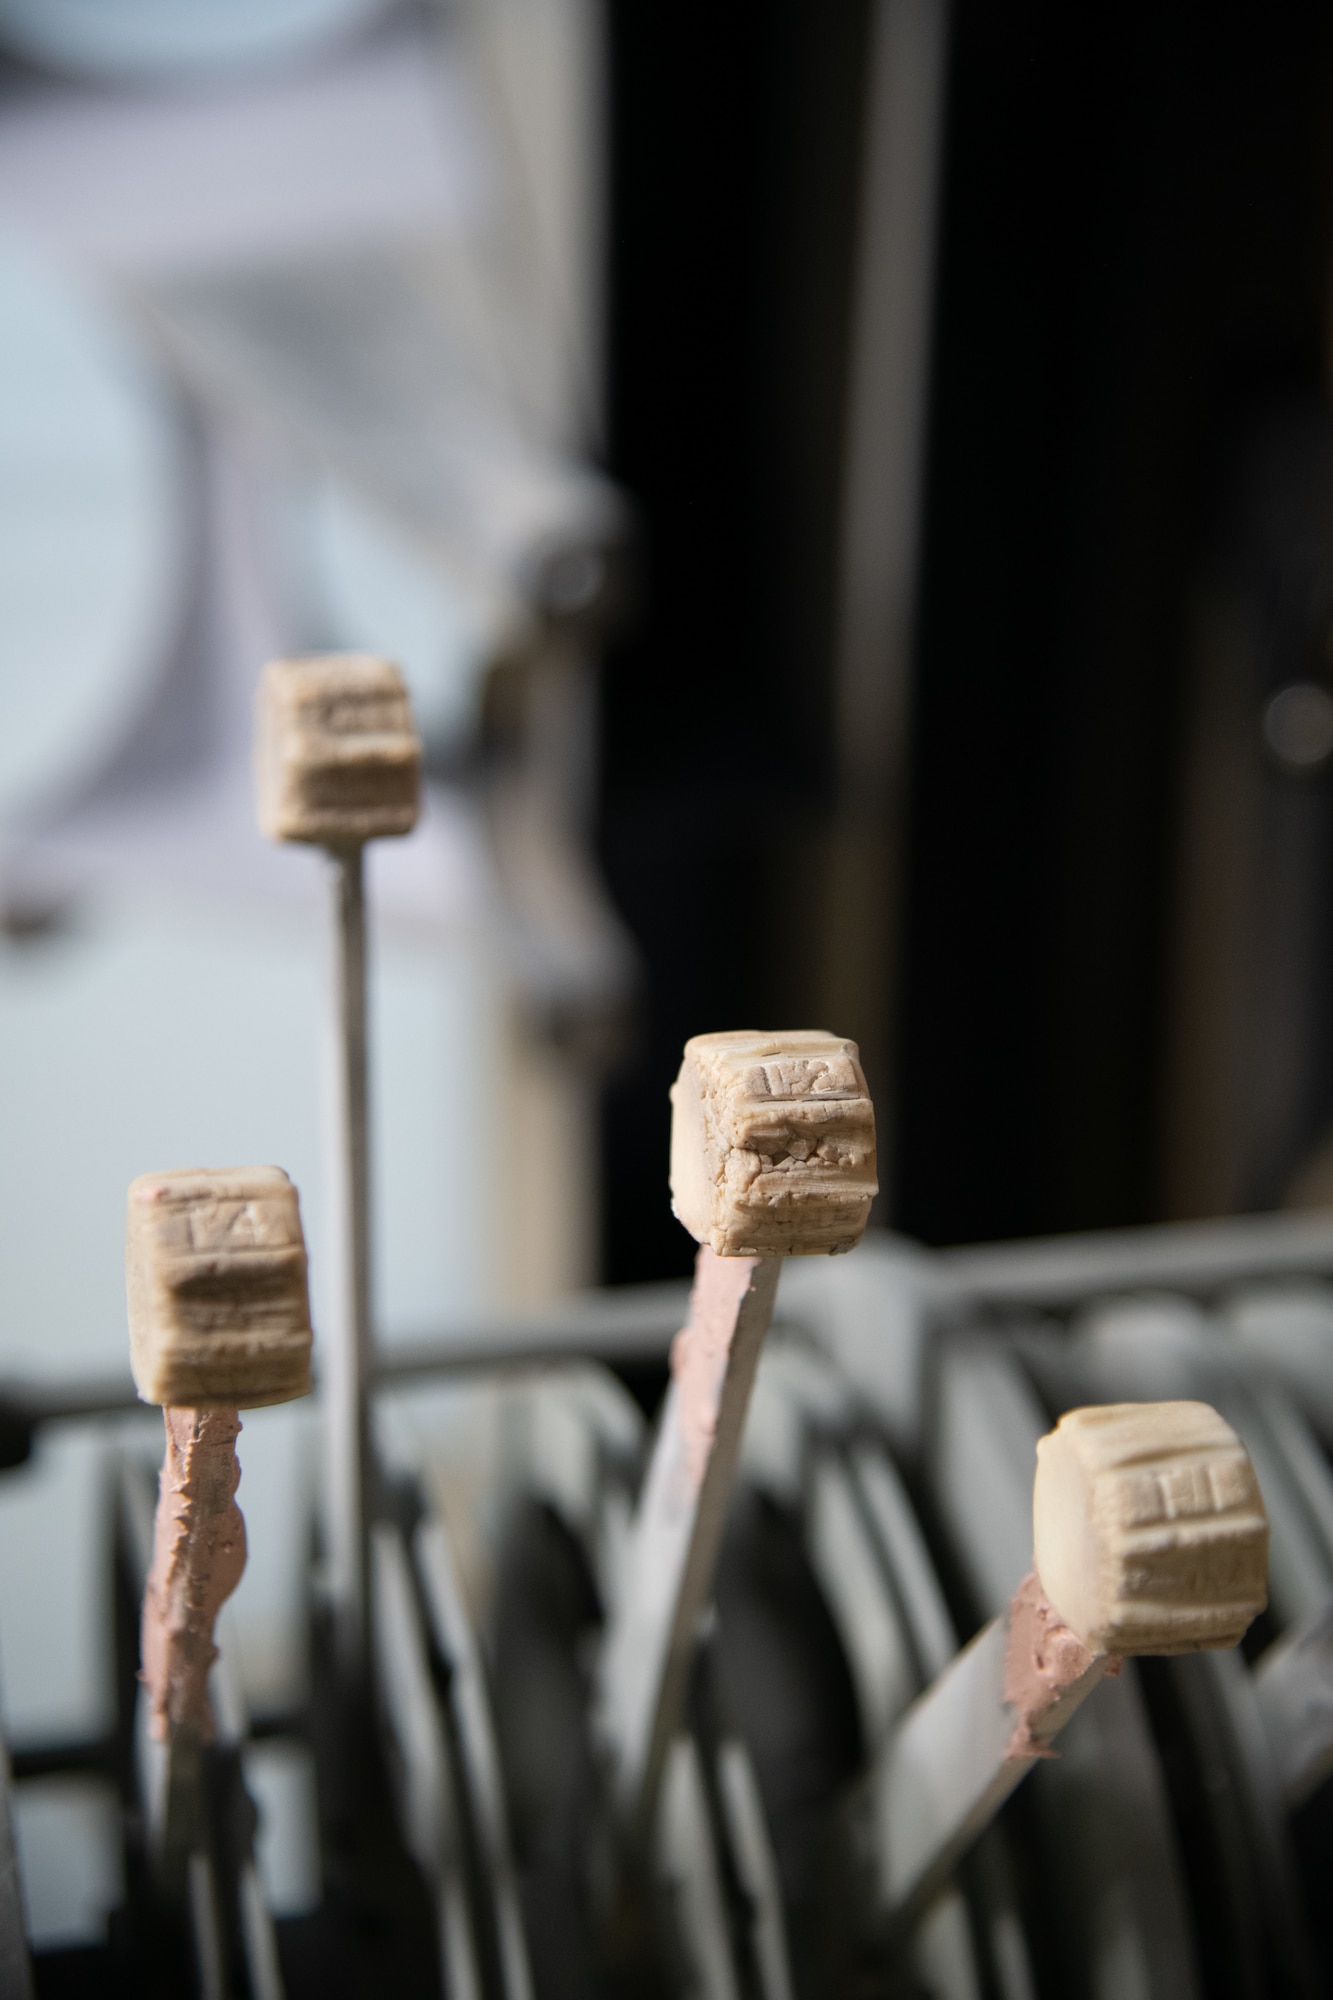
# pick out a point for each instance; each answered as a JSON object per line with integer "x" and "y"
{"x": 1203, "y": 1258}
{"x": 348, "y": 1357}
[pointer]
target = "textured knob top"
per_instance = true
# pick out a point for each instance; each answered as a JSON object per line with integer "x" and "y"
{"x": 772, "y": 1143}
{"x": 219, "y": 1305}
{"x": 337, "y": 760}
{"x": 1149, "y": 1528}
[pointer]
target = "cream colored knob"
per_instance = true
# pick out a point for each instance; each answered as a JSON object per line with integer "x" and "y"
{"x": 1149, "y": 1529}
{"x": 216, "y": 1274}
{"x": 772, "y": 1144}
{"x": 336, "y": 754}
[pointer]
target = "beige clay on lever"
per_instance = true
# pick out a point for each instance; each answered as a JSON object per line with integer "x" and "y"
{"x": 219, "y": 1320}
{"x": 198, "y": 1559}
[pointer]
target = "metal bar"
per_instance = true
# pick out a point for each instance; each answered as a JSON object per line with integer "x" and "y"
{"x": 61, "y": 1402}
{"x": 631, "y": 1325}
{"x": 668, "y": 1571}
{"x": 348, "y": 1351}
{"x": 756, "y": 1865}
{"x": 1200, "y": 1257}
{"x": 429, "y": 1808}
{"x": 687, "y": 1866}
{"x": 478, "y": 1751}
{"x": 232, "y": 1721}
{"x": 1293, "y": 1685}
{"x": 170, "y": 1773}
{"x": 257, "y": 1937}
{"x": 203, "y": 1904}
{"x": 949, "y": 1767}
{"x": 637, "y": 1323}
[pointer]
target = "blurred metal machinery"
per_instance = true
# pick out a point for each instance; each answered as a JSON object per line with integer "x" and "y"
{"x": 1177, "y": 1845}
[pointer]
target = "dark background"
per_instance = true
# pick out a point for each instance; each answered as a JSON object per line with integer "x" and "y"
{"x": 1132, "y": 277}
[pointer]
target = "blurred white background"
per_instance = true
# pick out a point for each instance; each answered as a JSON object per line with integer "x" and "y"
{"x": 298, "y": 339}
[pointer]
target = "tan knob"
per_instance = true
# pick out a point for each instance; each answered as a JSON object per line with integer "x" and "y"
{"x": 337, "y": 757}
{"x": 1149, "y": 1529}
{"x": 216, "y": 1276}
{"x": 772, "y": 1144}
